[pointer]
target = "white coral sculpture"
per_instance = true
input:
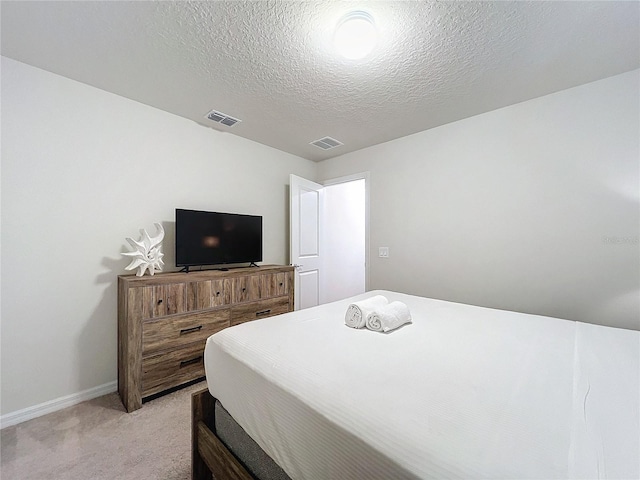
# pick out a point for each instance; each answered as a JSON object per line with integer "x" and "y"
{"x": 147, "y": 253}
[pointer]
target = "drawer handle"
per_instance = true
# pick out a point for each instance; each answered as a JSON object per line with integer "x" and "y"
{"x": 190, "y": 330}
{"x": 263, "y": 312}
{"x": 159, "y": 301}
{"x": 186, "y": 363}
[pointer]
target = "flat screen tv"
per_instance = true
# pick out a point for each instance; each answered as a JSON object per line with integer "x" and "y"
{"x": 214, "y": 238}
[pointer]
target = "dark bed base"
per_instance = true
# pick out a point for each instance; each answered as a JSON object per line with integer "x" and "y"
{"x": 208, "y": 454}
{"x": 221, "y": 446}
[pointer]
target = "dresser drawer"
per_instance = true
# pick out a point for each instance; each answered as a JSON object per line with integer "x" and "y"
{"x": 174, "y": 332}
{"x": 262, "y": 309}
{"x": 157, "y": 300}
{"x": 273, "y": 285}
{"x": 206, "y": 294}
{"x": 245, "y": 289}
{"x": 170, "y": 369}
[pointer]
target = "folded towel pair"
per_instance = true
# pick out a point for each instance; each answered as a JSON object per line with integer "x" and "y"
{"x": 357, "y": 312}
{"x": 376, "y": 313}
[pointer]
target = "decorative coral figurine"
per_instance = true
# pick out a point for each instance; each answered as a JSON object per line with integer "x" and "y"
{"x": 147, "y": 253}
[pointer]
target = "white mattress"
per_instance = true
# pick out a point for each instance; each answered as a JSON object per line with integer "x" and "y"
{"x": 463, "y": 392}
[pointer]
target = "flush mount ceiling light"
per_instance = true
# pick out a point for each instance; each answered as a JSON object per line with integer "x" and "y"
{"x": 356, "y": 35}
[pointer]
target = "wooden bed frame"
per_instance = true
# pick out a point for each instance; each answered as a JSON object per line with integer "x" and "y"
{"x": 208, "y": 454}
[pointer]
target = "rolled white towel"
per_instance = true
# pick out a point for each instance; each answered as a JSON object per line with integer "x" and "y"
{"x": 388, "y": 317}
{"x": 357, "y": 312}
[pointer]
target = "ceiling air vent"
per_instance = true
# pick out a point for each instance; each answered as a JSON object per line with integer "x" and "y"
{"x": 222, "y": 118}
{"x": 326, "y": 143}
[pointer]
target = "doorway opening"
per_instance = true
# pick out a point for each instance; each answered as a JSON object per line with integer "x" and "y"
{"x": 344, "y": 239}
{"x": 329, "y": 238}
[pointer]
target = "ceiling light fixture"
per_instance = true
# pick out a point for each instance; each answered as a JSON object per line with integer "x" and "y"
{"x": 356, "y": 35}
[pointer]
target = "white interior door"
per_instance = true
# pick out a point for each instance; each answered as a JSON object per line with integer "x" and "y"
{"x": 305, "y": 226}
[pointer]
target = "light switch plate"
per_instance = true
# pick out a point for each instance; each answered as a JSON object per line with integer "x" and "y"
{"x": 383, "y": 252}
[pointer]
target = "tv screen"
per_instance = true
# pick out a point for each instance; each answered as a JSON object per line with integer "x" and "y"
{"x": 213, "y": 238}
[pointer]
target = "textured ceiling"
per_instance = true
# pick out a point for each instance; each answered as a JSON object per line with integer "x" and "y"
{"x": 271, "y": 64}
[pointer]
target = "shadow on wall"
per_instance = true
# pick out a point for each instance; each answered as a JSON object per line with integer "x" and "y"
{"x": 627, "y": 302}
{"x": 97, "y": 346}
{"x": 169, "y": 247}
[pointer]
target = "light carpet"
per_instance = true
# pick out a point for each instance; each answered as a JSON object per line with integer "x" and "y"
{"x": 98, "y": 440}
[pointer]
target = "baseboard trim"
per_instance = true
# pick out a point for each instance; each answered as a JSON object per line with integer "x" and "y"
{"x": 51, "y": 406}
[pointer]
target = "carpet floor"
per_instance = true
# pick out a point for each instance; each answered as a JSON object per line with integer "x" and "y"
{"x": 97, "y": 440}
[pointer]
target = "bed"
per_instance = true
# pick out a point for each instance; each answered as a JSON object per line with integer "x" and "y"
{"x": 461, "y": 392}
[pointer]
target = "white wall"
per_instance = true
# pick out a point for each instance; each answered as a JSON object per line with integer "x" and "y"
{"x": 81, "y": 170}
{"x": 534, "y": 207}
{"x": 344, "y": 240}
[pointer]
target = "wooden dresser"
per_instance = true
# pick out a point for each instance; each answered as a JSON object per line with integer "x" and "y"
{"x": 165, "y": 319}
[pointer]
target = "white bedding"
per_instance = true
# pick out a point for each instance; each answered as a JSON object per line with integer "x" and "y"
{"x": 463, "y": 392}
